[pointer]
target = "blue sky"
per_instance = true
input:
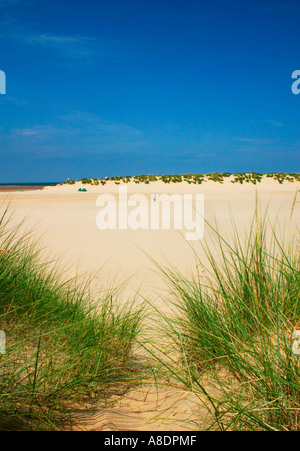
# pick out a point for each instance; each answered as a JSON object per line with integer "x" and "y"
{"x": 123, "y": 87}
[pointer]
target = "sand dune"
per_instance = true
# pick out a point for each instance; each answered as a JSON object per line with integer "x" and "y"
{"x": 65, "y": 219}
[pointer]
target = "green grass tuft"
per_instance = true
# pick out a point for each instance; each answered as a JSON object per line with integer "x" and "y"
{"x": 233, "y": 331}
{"x": 62, "y": 349}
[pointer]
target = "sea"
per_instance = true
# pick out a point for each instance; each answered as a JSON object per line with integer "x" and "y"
{"x": 25, "y": 186}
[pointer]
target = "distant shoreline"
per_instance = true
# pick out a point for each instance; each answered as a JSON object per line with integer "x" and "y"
{"x": 24, "y": 186}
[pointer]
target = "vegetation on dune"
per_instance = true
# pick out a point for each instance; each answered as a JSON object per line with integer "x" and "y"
{"x": 68, "y": 182}
{"x": 234, "y": 332}
{"x": 62, "y": 349}
{"x": 251, "y": 177}
{"x": 93, "y": 181}
{"x": 242, "y": 177}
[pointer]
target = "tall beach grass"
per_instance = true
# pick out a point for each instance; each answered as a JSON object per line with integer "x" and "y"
{"x": 63, "y": 349}
{"x": 233, "y": 330}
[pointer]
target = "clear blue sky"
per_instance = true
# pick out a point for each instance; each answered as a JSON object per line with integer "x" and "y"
{"x": 121, "y": 87}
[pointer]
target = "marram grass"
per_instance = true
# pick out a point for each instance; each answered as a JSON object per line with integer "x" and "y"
{"x": 231, "y": 336}
{"x": 233, "y": 331}
{"x": 62, "y": 350}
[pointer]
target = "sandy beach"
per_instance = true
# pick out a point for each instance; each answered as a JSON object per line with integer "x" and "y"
{"x": 64, "y": 220}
